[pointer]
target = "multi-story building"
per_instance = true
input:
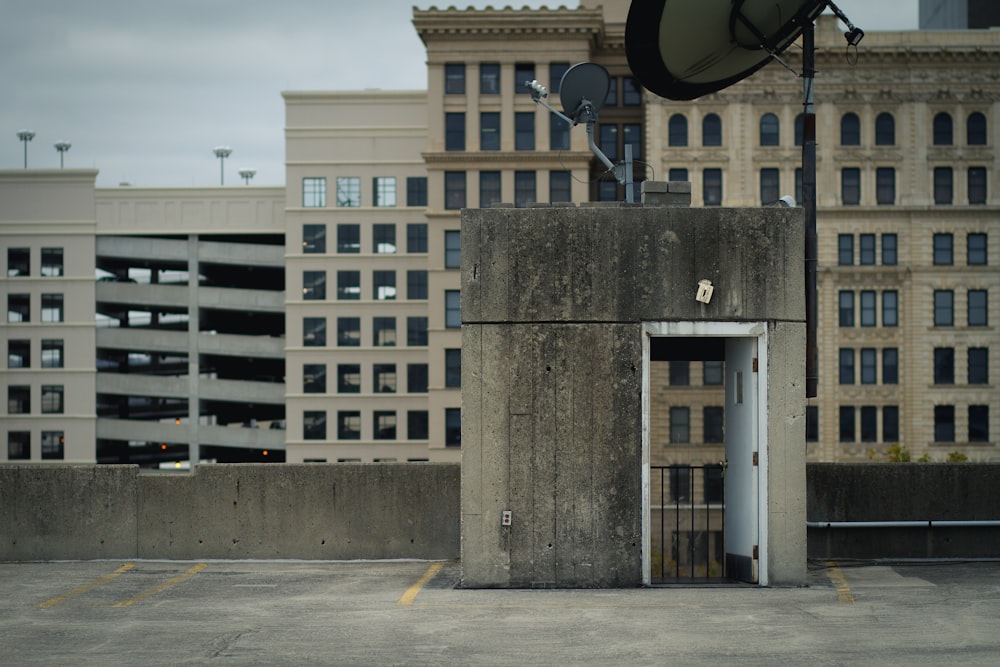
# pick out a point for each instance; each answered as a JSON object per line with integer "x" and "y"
{"x": 907, "y": 202}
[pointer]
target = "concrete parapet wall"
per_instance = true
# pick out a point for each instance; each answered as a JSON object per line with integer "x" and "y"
{"x": 308, "y": 511}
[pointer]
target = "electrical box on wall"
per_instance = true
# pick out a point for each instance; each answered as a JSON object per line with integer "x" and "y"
{"x": 506, "y": 517}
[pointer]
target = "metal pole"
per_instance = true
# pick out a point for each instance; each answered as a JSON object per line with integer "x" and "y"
{"x": 809, "y": 204}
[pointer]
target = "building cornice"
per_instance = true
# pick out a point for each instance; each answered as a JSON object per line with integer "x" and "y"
{"x": 485, "y": 159}
{"x": 435, "y": 24}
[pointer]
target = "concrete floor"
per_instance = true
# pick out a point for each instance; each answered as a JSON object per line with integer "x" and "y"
{"x": 412, "y": 613}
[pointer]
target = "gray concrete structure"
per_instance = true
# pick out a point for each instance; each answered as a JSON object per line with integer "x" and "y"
{"x": 560, "y": 309}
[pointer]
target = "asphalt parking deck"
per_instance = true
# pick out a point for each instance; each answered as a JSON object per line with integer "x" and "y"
{"x": 413, "y": 613}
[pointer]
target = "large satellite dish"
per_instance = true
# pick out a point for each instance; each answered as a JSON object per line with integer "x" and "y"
{"x": 581, "y": 84}
{"x": 683, "y": 49}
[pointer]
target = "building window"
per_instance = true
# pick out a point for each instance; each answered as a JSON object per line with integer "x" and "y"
{"x": 846, "y": 308}
{"x": 416, "y": 378}
{"x": 680, "y": 483}
{"x": 349, "y": 425}
{"x": 18, "y": 399}
{"x": 313, "y": 192}
{"x": 384, "y": 331}
{"x": 890, "y": 365}
{"x": 711, "y": 373}
{"x": 384, "y": 190}
{"x": 313, "y": 331}
{"x": 18, "y": 262}
{"x": 677, "y": 174}
{"x": 454, "y": 131}
{"x": 454, "y": 190}
{"x": 889, "y": 249}
{"x": 416, "y": 237}
{"x": 812, "y": 423}
{"x": 52, "y": 353}
{"x": 846, "y": 365}
{"x": 850, "y": 130}
{"x": 943, "y": 250}
{"x": 453, "y": 368}
{"x": 416, "y": 284}
{"x": 885, "y": 186}
{"x": 631, "y": 92}
{"x": 384, "y": 285}
{"x": 52, "y": 399}
{"x": 489, "y": 79}
{"x": 977, "y": 308}
{"x": 314, "y": 285}
{"x": 885, "y": 130}
{"x": 313, "y": 239}
{"x": 680, "y": 373}
{"x": 348, "y": 191}
{"x": 18, "y": 445}
{"x": 523, "y": 72}
{"x": 53, "y": 445}
{"x": 866, "y": 250}
{"x": 944, "y": 423}
{"x": 349, "y": 378}
{"x": 348, "y": 331}
{"x": 712, "y": 187}
{"x": 52, "y": 308}
{"x": 348, "y": 285}
{"x": 979, "y": 361}
{"x": 943, "y": 187}
{"x": 845, "y": 249}
{"x": 524, "y": 188}
{"x": 769, "y": 130}
{"x": 677, "y": 130}
{"x": 349, "y": 238}
{"x": 489, "y": 188}
{"x": 416, "y": 425}
{"x": 452, "y": 249}
{"x": 52, "y": 261}
{"x": 416, "y": 331}
{"x": 611, "y": 99}
{"x": 869, "y": 366}
{"x": 944, "y": 308}
{"x": 976, "y": 250}
{"x": 943, "y": 129}
{"x": 769, "y": 186}
{"x": 18, "y": 354}
{"x": 868, "y": 308}
{"x": 524, "y": 130}
{"x": 632, "y": 136}
{"x": 453, "y": 427}
{"x": 314, "y": 378}
{"x": 944, "y": 365}
{"x": 560, "y": 186}
{"x": 976, "y": 129}
{"x": 680, "y": 424}
{"x": 890, "y": 423}
{"x": 607, "y": 190}
{"x": 714, "y": 420}
{"x": 846, "y": 423}
{"x": 979, "y": 423}
{"x": 850, "y": 186}
{"x": 454, "y": 78}
{"x": 489, "y": 131}
{"x": 869, "y": 424}
{"x": 416, "y": 191}
{"x": 556, "y": 73}
{"x": 977, "y": 185}
{"x": 385, "y": 425}
{"x": 452, "y": 309}
{"x": 711, "y": 130}
{"x": 558, "y": 134}
{"x": 384, "y": 378}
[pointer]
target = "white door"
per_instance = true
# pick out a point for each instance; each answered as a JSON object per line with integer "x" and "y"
{"x": 741, "y": 521}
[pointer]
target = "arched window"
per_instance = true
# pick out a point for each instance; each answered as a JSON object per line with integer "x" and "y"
{"x": 711, "y": 130}
{"x": 769, "y": 130}
{"x": 798, "y": 129}
{"x": 677, "y": 130}
{"x": 942, "y": 129}
{"x": 885, "y": 129}
{"x": 850, "y": 129}
{"x": 976, "y": 129}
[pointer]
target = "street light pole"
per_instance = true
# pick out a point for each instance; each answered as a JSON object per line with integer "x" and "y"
{"x": 222, "y": 152}
{"x": 25, "y": 136}
{"x": 62, "y": 147}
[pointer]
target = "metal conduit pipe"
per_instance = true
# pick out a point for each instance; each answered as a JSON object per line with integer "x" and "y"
{"x": 930, "y": 523}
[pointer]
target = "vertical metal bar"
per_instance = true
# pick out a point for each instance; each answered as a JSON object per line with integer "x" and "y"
{"x": 809, "y": 203}
{"x": 663, "y": 536}
{"x": 691, "y": 530}
{"x": 708, "y": 523}
{"x": 674, "y": 475}
{"x": 723, "y": 518}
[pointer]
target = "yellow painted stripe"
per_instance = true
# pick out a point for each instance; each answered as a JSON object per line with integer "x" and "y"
{"x": 86, "y": 587}
{"x": 844, "y": 593}
{"x": 411, "y": 592}
{"x": 161, "y": 587}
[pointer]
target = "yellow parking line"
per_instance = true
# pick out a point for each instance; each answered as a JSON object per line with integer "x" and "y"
{"x": 162, "y": 587}
{"x": 86, "y": 587}
{"x": 411, "y": 592}
{"x": 844, "y": 593}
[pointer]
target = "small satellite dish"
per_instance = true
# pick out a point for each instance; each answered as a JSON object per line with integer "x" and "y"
{"x": 583, "y": 84}
{"x": 683, "y": 49}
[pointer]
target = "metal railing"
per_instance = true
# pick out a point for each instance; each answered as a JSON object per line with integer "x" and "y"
{"x": 687, "y": 514}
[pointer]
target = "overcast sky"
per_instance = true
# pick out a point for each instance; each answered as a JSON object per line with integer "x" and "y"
{"x": 144, "y": 89}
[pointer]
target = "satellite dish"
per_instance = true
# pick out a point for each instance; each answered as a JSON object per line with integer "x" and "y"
{"x": 683, "y": 49}
{"x": 584, "y": 84}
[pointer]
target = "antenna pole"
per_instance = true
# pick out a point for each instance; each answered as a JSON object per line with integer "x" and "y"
{"x": 809, "y": 202}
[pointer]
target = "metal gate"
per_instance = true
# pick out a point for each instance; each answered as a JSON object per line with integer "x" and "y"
{"x": 687, "y": 518}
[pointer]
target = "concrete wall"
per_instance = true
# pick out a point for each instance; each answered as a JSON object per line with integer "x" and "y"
{"x": 553, "y": 301}
{"x": 310, "y": 511}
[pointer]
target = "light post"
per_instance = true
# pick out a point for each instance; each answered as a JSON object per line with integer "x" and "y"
{"x": 62, "y": 147}
{"x": 247, "y": 175}
{"x": 222, "y": 152}
{"x": 25, "y": 136}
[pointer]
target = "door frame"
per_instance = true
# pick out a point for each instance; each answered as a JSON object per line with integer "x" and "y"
{"x": 694, "y": 329}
